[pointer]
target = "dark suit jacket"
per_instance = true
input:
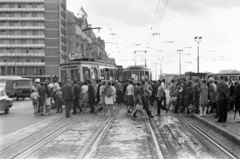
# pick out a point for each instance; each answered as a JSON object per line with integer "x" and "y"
{"x": 232, "y": 90}
{"x": 91, "y": 92}
{"x": 237, "y": 92}
{"x": 67, "y": 92}
{"x": 76, "y": 91}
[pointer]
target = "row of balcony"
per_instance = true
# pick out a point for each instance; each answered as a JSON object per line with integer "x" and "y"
{"x": 22, "y": 36}
{"x": 22, "y": 27}
{"x": 21, "y": 18}
{"x": 22, "y": 54}
{"x": 22, "y": 63}
{"x": 21, "y": 10}
{"x": 21, "y": 45}
{"x": 21, "y": 1}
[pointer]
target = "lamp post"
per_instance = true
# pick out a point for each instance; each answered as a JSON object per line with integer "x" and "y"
{"x": 5, "y": 60}
{"x": 198, "y": 40}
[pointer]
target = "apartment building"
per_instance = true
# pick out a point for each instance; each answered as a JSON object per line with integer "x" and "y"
{"x": 32, "y": 37}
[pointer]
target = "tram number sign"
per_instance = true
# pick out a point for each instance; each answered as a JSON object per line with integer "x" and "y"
{"x": 72, "y": 55}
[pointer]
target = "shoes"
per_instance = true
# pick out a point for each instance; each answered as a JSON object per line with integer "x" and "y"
{"x": 57, "y": 111}
{"x": 218, "y": 121}
{"x": 176, "y": 112}
{"x": 238, "y": 121}
{"x": 215, "y": 116}
{"x": 157, "y": 115}
{"x": 200, "y": 115}
{"x": 68, "y": 116}
{"x": 151, "y": 116}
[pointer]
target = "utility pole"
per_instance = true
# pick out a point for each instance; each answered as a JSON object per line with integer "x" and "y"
{"x": 160, "y": 59}
{"x": 179, "y": 51}
{"x": 146, "y": 58}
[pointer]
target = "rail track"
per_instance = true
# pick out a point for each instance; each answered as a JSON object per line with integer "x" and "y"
{"x": 205, "y": 135}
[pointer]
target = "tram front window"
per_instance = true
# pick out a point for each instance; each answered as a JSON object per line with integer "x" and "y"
{"x": 107, "y": 73}
{"x": 75, "y": 75}
{"x": 86, "y": 73}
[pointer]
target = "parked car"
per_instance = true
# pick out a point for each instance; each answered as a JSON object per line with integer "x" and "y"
{"x": 19, "y": 88}
{"x": 5, "y": 102}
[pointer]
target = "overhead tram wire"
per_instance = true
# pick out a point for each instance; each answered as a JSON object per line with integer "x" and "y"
{"x": 163, "y": 15}
{"x": 159, "y": 15}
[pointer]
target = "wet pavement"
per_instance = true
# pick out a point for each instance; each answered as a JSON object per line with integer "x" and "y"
{"x": 126, "y": 139}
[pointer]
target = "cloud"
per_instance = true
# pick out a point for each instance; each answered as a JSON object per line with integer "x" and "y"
{"x": 200, "y": 7}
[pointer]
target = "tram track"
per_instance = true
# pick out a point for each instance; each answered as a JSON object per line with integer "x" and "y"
{"x": 6, "y": 144}
{"x": 21, "y": 147}
{"x": 205, "y": 135}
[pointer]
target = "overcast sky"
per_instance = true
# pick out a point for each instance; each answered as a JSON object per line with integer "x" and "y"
{"x": 126, "y": 27}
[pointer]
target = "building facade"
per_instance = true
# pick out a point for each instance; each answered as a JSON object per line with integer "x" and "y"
{"x": 33, "y": 37}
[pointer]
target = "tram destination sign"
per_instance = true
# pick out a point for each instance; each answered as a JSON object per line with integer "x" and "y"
{"x": 74, "y": 55}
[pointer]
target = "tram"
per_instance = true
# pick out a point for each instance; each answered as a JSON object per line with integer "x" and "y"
{"x": 232, "y": 76}
{"x": 91, "y": 69}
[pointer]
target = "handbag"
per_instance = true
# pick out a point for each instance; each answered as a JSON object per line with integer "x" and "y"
{"x": 191, "y": 107}
{"x": 139, "y": 106}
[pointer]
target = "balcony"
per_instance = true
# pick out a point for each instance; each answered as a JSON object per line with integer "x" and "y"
{"x": 22, "y": 45}
{"x": 22, "y": 27}
{"x": 22, "y": 10}
{"x": 22, "y": 18}
{"x": 22, "y": 63}
{"x": 2, "y": 55}
{"x": 22, "y": 36}
{"x": 21, "y": 1}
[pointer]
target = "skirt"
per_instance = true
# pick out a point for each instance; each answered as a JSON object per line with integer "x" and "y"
{"x": 47, "y": 101}
{"x": 108, "y": 100}
{"x": 130, "y": 100}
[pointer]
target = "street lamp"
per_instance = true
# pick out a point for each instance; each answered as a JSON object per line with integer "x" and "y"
{"x": 198, "y": 40}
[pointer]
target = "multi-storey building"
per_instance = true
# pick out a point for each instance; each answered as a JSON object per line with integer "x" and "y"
{"x": 32, "y": 37}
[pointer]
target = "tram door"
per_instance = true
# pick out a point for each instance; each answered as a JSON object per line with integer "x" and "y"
{"x": 75, "y": 75}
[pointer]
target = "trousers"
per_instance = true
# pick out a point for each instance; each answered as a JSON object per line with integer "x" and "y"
{"x": 68, "y": 106}
{"x": 222, "y": 110}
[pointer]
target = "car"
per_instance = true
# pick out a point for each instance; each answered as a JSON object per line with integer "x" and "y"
{"x": 5, "y": 102}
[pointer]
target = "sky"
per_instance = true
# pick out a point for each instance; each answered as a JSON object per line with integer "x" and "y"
{"x": 161, "y": 27}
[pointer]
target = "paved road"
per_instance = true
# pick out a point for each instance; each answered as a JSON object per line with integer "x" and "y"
{"x": 20, "y": 116}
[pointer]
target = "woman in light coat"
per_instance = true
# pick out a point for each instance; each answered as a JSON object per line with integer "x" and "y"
{"x": 204, "y": 102}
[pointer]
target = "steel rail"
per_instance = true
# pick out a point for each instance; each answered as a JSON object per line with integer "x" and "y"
{"x": 93, "y": 147}
{"x": 24, "y": 138}
{"x": 206, "y": 136}
{"x": 36, "y": 146}
{"x": 158, "y": 149}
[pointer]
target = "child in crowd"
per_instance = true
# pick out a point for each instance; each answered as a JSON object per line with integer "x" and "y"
{"x": 59, "y": 100}
{"x": 34, "y": 98}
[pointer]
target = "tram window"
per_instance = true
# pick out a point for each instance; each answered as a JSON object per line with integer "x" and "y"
{"x": 102, "y": 74}
{"x": 107, "y": 73}
{"x": 86, "y": 73}
{"x": 94, "y": 73}
{"x": 75, "y": 75}
{"x": 111, "y": 74}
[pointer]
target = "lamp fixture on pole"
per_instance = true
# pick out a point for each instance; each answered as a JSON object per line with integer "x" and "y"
{"x": 198, "y": 40}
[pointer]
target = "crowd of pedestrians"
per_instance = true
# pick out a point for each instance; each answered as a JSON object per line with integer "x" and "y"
{"x": 206, "y": 96}
{"x": 200, "y": 96}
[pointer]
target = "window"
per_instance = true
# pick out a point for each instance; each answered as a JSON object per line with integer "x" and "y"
{"x": 86, "y": 73}
{"x": 42, "y": 60}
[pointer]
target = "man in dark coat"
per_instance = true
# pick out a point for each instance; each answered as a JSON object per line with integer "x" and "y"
{"x": 232, "y": 92}
{"x": 67, "y": 94}
{"x": 76, "y": 96}
{"x": 91, "y": 96}
{"x": 222, "y": 101}
{"x": 237, "y": 98}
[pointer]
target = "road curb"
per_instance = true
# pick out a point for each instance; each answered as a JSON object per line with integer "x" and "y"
{"x": 231, "y": 136}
